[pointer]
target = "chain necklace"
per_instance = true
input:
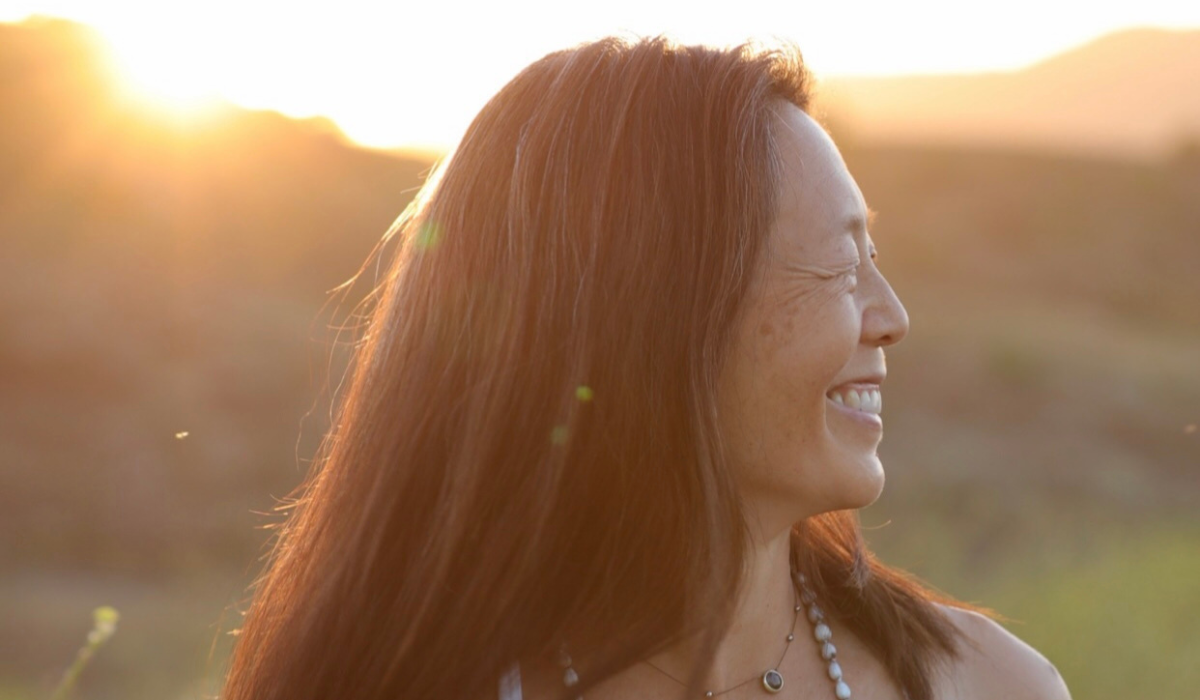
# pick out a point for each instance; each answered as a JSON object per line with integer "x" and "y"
{"x": 772, "y": 679}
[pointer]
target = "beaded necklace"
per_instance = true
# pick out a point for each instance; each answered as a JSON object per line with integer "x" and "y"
{"x": 772, "y": 679}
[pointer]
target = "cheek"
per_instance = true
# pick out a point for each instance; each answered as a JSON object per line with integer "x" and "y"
{"x": 806, "y": 351}
{"x": 773, "y": 392}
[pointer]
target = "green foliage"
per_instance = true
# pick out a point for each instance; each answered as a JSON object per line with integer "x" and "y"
{"x": 1113, "y": 608}
{"x": 1121, "y": 624}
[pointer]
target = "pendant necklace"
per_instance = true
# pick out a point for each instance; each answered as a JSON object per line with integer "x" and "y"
{"x": 772, "y": 679}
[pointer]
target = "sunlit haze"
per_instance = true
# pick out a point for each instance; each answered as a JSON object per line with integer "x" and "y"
{"x": 413, "y": 74}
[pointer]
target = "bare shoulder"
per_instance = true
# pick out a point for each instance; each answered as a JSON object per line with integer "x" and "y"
{"x": 995, "y": 664}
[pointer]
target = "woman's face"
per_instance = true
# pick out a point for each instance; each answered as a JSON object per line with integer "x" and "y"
{"x": 799, "y": 397}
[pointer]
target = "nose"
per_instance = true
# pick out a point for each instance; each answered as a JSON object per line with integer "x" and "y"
{"x": 885, "y": 321}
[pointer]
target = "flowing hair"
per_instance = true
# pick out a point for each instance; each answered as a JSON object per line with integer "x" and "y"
{"x": 527, "y": 450}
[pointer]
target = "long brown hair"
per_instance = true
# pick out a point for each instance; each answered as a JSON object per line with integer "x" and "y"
{"x": 527, "y": 450}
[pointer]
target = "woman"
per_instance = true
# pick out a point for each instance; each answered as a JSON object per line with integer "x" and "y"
{"x": 615, "y": 406}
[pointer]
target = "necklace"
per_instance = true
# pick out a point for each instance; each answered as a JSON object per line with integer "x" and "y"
{"x": 823, "y": 635}
{"x": 772, "y": 679}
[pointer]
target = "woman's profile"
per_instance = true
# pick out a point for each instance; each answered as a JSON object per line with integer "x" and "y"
{"x": 617, "y": 401}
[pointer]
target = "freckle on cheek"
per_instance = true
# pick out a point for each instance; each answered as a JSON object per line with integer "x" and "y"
{"x": 766, "y": 328}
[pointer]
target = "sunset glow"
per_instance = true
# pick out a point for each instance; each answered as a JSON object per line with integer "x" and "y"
{"x": 414, "y": 74}
{"x": 182, "y": 84}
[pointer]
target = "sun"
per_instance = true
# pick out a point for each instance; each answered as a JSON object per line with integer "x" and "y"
{"x": 162, "y": 76}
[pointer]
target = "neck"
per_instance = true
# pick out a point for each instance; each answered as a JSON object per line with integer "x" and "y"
{"x": 761, "y": 621}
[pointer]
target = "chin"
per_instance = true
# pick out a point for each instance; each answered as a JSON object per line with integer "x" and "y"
{"x": 866, "y": 488}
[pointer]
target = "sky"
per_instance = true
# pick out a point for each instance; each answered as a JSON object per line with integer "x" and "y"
{"x": 413, "y": 73}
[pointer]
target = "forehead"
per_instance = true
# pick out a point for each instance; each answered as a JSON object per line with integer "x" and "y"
{"x": 819, "y": 201}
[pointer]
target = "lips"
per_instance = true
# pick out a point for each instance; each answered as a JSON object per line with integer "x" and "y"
{"x": 871, "y": 379}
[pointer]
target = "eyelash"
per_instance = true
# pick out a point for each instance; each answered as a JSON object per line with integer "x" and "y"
{"x": 852, "y": 275}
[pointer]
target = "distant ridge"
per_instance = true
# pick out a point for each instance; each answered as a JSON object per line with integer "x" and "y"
{"x": 1132, "y": 93}
{"x": 161, "y": 278}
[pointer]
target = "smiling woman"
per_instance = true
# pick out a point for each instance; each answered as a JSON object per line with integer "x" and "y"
{"x": 805, "y": 373}
{"x": 614, "y": 409}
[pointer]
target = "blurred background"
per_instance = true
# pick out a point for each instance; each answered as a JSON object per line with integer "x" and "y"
{"x": 181, "y": 190}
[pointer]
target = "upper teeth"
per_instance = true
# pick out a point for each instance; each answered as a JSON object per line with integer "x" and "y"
{"x": 868, "y": 400}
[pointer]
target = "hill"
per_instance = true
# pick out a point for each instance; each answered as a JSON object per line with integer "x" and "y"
{"x": 163, "y": 278}
{"x": 1132, "y": 93}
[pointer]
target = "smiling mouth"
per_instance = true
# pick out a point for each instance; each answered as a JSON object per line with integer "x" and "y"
{"x": 867, "y": 400}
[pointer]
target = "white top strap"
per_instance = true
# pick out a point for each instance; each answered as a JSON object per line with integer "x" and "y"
{"x": 510, "y": 683}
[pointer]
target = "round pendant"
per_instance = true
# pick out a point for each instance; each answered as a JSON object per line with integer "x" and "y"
{"x": 772, "y": 681}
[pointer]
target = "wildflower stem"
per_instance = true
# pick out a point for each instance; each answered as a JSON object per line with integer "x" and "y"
{"x": 105, "y": 624}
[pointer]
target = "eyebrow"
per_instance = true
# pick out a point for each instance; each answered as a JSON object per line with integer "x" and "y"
{"x": 856, "y": 222}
